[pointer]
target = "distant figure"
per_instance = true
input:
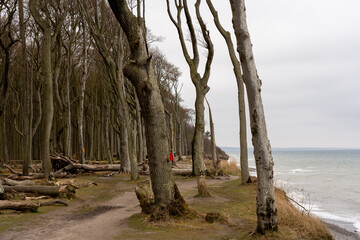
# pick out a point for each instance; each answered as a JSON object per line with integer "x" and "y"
{"x": 171, "y": 159}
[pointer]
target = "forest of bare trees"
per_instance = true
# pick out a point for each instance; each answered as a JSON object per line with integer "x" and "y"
{"x": 81, "y": 79}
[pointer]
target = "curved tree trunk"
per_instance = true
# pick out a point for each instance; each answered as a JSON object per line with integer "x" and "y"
{"x": 140, "y": 71}
{"x": 266, "y": 207}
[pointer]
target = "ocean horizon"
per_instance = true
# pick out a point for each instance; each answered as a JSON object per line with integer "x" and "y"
{"x": 323, "y": 180}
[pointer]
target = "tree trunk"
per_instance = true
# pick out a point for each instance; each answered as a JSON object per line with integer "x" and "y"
{"x": 81, "y": 100}
{"x": 245, "y": 176}
{"x": 48, "y": 109}
{"x": 124, "y": 143}
{"x": 106, "y": 117}
{"x": 213, "y": 144}
{"x": 4, "y": 140}
{"x": 198, "y": 139}
{"x": 27, "y": 95}
{"x": 67, "y": 115}
{"x": 53, "y": 191}
{"x": 140, "y": 142}
{"x": 140, "y": 71}
{"x": 132, "y": 151}
{"x": 266, "y": 207}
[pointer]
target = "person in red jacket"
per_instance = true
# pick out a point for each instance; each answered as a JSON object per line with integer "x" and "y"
{"x": 171, "y": 159}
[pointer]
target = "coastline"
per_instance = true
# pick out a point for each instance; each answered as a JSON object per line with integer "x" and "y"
{"x": 340, "y": 233}
{"x": 338, "y": 230}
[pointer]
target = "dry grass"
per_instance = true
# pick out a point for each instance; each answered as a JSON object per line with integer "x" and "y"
{"x": 236, "y": 204}
{"x": 230, "y": 167}
{"x": 306, "y": 226}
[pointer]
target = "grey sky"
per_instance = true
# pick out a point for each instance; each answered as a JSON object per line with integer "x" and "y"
{"x": 308, "y": 57}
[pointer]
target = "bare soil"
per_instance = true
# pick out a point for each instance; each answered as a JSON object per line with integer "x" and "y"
{"x": 88, "y": 218}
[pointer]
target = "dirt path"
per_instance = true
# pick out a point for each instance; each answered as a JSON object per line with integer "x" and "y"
{"x": 99, "y": 221}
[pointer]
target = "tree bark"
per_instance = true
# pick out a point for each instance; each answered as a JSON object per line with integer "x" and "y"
{"x": 27, "y": 206}
{"x": 216, "y": 162}
{"x": 198, "y": 139}
{"x": 140, "y": 71}
{"x": 266, "y": 207}
{"x": 48, "y": 109}
{"x": 245, "y": 176}
{"x": 82, "y": 98}
{"x": 27, "y": 94}
{"x": 53, "y": 191}
{"x": 140, "y": 142}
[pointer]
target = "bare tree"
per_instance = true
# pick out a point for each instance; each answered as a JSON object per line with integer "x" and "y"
{"x": 245, "y": 176}
{"x": 7, "y": 41}
{"x": 200, "y": 82}
{"x": 45, "y": 23}
{"x": 140, "y": 71}
{"x": 266, "y": 207}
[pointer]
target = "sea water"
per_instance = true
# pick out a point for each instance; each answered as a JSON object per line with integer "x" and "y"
{"x": 324, "y": 181}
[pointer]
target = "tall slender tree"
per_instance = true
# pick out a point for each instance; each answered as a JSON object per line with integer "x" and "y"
{"x": 245, "y": 176}
{"x": 200, "y": 82}
{"x": 265, "y": 205}
{"x": 48, "y": 109}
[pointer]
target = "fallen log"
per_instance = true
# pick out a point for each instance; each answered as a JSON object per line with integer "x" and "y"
{"x": 60, "y": 161}
{"x": 181, "y": 172}
{"x": 11, "y": 170}
{"x": 27, "y": 206}
{"x": 10, "y": 182}
{"x": 54, "y": 191}
{"x": 94, "y": 167}
{"x": 39, "y": 176}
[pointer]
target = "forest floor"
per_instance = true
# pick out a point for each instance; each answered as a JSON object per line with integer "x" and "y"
{"x": 110, "y": 210}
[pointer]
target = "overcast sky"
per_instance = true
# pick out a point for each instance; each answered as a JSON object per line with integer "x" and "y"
{"x": 307, "y": 54}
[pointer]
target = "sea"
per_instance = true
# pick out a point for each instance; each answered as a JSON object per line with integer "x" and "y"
{"x": 325, "y": 181}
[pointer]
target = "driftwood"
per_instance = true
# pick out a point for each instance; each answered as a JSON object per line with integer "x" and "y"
{"x": 53, "y": 191}
{"x": 182, "y": 172}
{"x": 27, "y": 206}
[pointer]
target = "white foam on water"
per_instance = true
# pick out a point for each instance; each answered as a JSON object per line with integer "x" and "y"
{"x": 299, "y": 170}
{"x": 357, "y": 225}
